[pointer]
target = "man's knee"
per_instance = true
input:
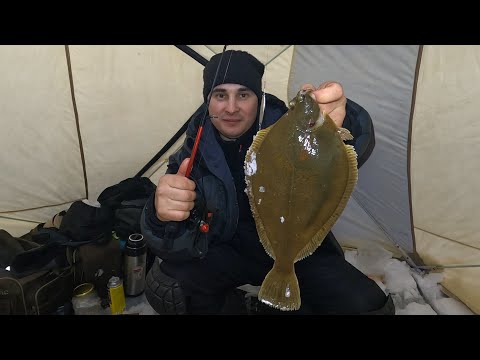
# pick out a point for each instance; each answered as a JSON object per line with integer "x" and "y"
{"x": 182, "y": 274}
{"x": 364, "y": 299}
{"x": 200, "y": 304}
{"x": 374, "y": 301}
{"x": 388, "y": 308}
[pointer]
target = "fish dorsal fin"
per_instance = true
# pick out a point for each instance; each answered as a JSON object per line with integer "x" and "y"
{"x": 249, "y": 158}
{"x": 345, "y": 134}
{"x": 351, "y": 182}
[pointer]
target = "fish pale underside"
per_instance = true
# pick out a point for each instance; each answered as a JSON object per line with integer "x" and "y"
{"x": 299, "y": 176}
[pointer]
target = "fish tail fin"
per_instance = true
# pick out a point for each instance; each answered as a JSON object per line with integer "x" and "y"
{"x": 280, "y": 289}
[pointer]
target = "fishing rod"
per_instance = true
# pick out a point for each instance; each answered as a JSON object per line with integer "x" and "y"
{"x": 202, "y": 123}
{"x": 200, "y": 217}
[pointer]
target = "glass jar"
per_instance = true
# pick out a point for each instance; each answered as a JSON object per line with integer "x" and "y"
{"x": 85, "y": 300}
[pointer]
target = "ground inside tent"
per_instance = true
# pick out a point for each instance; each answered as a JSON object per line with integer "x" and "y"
{"x": 413, "y": 292}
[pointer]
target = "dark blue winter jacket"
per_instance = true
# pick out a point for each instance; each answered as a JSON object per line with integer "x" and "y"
{"x": 217, "y": 194}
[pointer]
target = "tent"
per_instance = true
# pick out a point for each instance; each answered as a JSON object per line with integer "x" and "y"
{"x": 77, "y": 119}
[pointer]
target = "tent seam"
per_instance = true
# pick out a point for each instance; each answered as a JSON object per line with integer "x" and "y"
{"x": 17, "y": 219}
{"x": 278, "y": 55}
{"x": 405, "y": 254}
{"x": 409, "y": 142}
{"x": 446, "y": 238}
{"x": 38, "y": 207}
{"x": 77, "y": 121}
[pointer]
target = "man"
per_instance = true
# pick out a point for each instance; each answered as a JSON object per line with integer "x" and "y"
{"x": 235, "y": 256}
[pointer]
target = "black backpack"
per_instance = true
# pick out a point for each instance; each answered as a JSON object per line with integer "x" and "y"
{"x": 126, "y": 201}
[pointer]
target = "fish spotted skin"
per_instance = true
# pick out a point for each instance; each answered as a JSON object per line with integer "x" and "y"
{"x": 304, "y": 176}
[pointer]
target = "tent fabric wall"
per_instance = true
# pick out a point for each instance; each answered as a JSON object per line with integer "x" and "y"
{"x": 117, "y": 106}
{"x": 130, "y": 101}
{"x": 21, "y": 222}
{"x": 380, "y": 78}
{"x": 40, "y": 161}
{"x": 444, "y": 163}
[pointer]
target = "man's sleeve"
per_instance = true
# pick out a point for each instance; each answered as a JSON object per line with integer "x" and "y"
{"x": 160, "y": 234}
{"x": 359, "y": 122}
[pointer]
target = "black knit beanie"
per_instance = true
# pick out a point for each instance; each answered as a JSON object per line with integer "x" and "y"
{"x": 242, "y": 68}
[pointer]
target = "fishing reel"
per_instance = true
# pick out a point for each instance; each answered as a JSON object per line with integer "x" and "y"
{"x": 200, "y": 217}
{"x": 187, "y": 240}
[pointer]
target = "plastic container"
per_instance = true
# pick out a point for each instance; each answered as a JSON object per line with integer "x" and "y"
{"x": 117, "y": 295}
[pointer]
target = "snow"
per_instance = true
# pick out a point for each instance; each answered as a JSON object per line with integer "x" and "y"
{"x": 413, "y": 293}
{"x": 251, "y": 166}
{"x": 138, "y": 306}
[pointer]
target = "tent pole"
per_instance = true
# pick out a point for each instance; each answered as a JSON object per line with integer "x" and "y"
{"x": 164, "y": 149}
{"x": 193, "y": 54}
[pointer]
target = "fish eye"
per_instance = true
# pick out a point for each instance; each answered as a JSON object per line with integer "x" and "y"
{"x": 302, "y": 94}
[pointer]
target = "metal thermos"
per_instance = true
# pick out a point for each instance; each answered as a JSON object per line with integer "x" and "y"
{"x": 135, "y": 264}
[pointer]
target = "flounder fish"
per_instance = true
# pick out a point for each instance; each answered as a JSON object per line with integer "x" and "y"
{"x": 299, "y": 175}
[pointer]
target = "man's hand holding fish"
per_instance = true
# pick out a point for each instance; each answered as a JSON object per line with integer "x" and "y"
{"x": 331, "y": 100}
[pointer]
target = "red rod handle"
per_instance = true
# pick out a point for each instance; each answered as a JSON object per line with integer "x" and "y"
{"x": 194, "y": 151}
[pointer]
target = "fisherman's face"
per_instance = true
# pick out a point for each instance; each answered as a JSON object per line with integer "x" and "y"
{"x": 233, "y": 109}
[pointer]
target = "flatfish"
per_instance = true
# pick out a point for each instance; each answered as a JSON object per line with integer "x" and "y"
{"x": 299, "y": 176}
